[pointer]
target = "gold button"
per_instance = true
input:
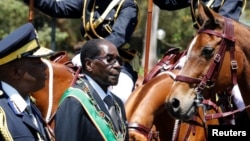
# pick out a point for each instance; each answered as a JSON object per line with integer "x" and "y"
{"x": 1, "y": 92}
{"x": 96, "y": 7}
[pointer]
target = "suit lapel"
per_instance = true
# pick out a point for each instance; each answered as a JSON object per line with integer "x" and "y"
{"x": 39, "y": 118}
{"x": 28, "y": 121}
{"x": 98, "y": 99}
{"x": 100, "y": 102}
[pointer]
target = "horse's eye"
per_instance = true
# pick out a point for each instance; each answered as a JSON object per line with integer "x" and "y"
{"x": 207, "y": 52}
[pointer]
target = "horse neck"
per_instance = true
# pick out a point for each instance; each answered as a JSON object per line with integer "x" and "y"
{"x": 197, "y": 131}
{"x": 242, "y": 34}
{"x": 133, "y": 101}
{"x": 153, "y": 101}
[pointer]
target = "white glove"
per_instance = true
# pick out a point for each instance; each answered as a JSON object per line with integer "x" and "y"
{"x": 76, "y": 60}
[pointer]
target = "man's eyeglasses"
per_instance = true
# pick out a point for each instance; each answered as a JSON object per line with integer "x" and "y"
{"x": 109, "y": 59}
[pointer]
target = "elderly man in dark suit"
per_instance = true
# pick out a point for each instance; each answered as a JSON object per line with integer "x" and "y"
{"x": 22, "y": 72}
{"x": 89, "y": 111}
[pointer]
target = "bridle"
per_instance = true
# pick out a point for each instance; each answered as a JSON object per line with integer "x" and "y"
{"x": 208, "y": 80}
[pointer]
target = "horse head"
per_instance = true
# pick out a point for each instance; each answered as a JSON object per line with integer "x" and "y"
{"x": 216, "y": 60}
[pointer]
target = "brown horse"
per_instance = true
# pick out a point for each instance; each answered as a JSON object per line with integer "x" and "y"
{"x": 149, "y": 120}
{"x": 168, "y": 62}
{"x": 60, "y": 77}
{"x": 217, "y": 59}
{"x": 147, "y": 117}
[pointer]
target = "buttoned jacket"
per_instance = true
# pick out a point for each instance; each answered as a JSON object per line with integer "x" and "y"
{"x": 73, "y": 122}
{"x": 19, "y": 124}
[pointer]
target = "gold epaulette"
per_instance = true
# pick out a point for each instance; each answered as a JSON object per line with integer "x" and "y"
{"x": 244, "y": 5}
{"x": 92, "y": 24}
{"x": 4, "y": 127}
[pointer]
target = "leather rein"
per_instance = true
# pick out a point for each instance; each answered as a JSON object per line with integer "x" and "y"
{"x": 145, "y": 131}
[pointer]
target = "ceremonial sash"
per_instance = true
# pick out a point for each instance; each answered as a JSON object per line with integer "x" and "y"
{"x": 95, "y": 116}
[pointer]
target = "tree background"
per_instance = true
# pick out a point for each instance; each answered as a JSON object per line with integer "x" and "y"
{"x": 64, "y": 34}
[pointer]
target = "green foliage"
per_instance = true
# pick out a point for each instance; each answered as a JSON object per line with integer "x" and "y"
{"x": 178, "y": 26}
{"x": 45, "y": 37}
{"x": 13, "y": 14}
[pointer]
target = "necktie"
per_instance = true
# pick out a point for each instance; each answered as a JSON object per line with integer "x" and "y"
{"x": 110, "y": 102}
{"x": 34, "y": 120}
{"x": 29, "y": 111}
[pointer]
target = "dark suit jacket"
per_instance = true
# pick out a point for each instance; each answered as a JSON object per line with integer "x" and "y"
{"x": 73, "y": 123}
{"x": 20, "y": 125}
{"x": 230, "y": 8}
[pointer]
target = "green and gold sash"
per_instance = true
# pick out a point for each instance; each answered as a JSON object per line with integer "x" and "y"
{"x": 97, "y": 117}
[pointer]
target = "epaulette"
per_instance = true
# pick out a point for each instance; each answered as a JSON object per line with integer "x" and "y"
{"x": 4, "y": 127}
{"x": 91, "y": 24}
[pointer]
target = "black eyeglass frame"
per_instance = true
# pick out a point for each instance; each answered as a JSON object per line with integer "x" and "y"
{"x": 109, "y": 59}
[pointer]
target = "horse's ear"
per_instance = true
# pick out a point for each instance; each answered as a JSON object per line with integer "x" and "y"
{"x": 206, "y": 17}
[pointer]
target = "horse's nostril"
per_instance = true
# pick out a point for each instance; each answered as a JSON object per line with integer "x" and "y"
{"x": 175, "y": 103}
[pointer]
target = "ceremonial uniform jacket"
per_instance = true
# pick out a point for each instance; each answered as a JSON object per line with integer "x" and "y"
{"x": 117, "y": 30}
{"x": 230, "y": 8}
{"x": 19, "y": 124}
{"x": 74, "y": 124}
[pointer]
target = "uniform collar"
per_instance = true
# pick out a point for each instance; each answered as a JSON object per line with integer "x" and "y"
{"x": 15, "y": 97}
{"x": 99, "y": 90}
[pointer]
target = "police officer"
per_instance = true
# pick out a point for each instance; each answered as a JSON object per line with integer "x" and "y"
{"x": 22, "y": 72}
{"x": 113, "y": 20}
{"x": 228, "y": 8}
